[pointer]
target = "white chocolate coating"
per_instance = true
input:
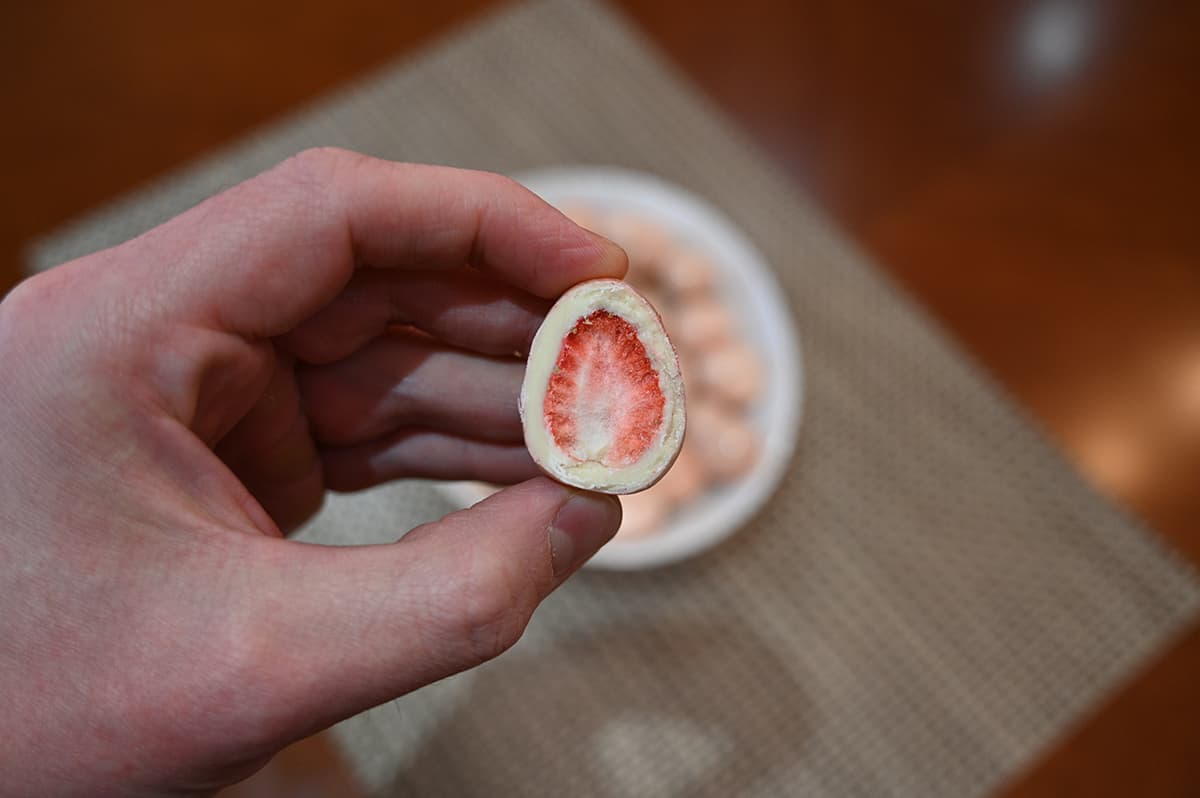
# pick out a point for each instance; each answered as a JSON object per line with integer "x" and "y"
{"x": 590, "y": 472}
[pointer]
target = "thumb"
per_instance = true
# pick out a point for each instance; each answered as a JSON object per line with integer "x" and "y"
{"x": 346, "y": 628}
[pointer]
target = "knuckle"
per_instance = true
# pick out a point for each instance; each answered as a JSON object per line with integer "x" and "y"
{"x": 492, "y": 185}
{"x": 504, "y": 183}
{"x": 508, "y": 192}
{"x": 30, "y": 298}
{"x": 316, "y": 166}
{"x": 316, "y": 158}
{"x": 28, "y": 307}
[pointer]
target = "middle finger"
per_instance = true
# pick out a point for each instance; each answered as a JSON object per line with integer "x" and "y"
{"x": 400, "y": 380}
{"x": 464, "y": 307}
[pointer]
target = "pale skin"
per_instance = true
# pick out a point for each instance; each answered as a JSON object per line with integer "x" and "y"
{"x": 171, "y": 408}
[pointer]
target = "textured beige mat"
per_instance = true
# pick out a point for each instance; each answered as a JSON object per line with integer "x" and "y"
{"x": 932, "y": 597}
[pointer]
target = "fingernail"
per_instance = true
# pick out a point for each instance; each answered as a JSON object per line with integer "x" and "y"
{"x": 584, "y": 523}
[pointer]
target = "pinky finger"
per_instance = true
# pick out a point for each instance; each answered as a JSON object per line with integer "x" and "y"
{"x": 424, "y": 454}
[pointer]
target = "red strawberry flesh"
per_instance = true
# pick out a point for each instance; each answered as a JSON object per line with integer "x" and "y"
{"x": 604, "y": 400}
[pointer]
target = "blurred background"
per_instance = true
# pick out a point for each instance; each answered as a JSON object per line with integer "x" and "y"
{"x": 1026, "y": 169}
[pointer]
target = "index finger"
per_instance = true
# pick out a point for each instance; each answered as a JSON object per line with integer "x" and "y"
{"x": 262, "y": 257}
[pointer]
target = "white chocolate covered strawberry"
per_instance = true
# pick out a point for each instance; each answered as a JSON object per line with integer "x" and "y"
{"x": 602, "y": 402}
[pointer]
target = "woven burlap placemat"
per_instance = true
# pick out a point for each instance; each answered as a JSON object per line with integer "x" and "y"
{"x": 930, "y": 599}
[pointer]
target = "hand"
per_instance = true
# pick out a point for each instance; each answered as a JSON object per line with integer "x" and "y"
{"x": 170, "y": 407}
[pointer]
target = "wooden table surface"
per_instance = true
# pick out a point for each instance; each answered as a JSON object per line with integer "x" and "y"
{"x": 1026, "y": 169}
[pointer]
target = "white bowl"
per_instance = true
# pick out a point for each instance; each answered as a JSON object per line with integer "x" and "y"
{"x": 757, "y": 302}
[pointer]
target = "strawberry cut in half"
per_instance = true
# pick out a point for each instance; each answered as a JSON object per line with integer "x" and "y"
{"x": 602, "y": 401}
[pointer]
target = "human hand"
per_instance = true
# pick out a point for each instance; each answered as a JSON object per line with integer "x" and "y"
{"x": 170, "y": 407}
